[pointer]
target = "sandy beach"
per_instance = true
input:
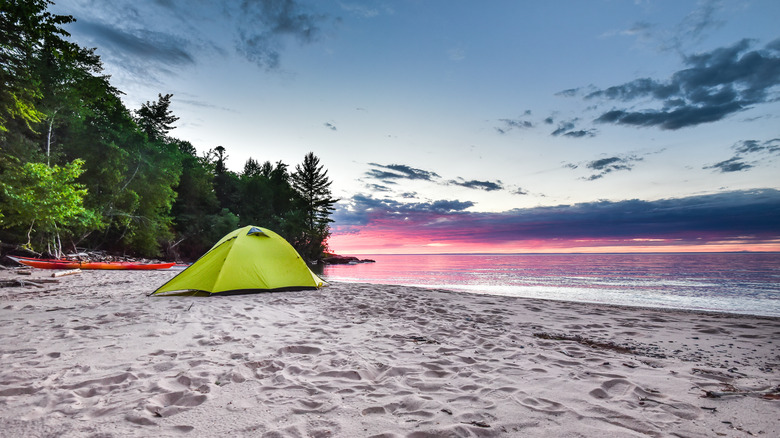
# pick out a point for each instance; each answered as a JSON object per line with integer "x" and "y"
{"x": 93, "y": 356}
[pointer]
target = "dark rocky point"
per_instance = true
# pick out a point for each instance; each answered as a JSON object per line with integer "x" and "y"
{"x": 335, "y": 259}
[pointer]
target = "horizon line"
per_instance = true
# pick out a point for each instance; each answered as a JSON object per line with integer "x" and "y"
{"x": 564, "y": 253}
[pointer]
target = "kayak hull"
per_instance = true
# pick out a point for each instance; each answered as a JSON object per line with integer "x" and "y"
{"x": 75, "y": 264}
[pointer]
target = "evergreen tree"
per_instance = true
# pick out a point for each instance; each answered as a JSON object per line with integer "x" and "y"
{"x": 311, "y": 182}
{"x": 226, "y": 184}
{"x": 155, "y": 118}
{"x": 251, "y": 168}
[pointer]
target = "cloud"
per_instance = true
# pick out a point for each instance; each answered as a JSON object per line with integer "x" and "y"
{"x": 364, "y": 10}
{"x": 615, "y": 163}
{"x": 400, "y": 171}
{"x": 581, "y": 133}
{"x": 640, "y": 29}
{"x": 753, "y": 146}
{"x": 691, "y": 29}
{"x": 140, "y": 52}
{"x": 734, "y": 164}
{"x": 743, "y": 150}
{"x": 696, "y": 24}
{"x": 394, "y": 174}
{"x": 265, "y": 24}
{"x": 378, "y": 188}
{"x": 362, "y": 209}
{"x": 391, "y": 173}
{"x": 487, "y": 186}
{"x": 714, "y": 85}
{"x": 566, "y": 129}
{"x": 203, "y": 104}
{"x": 607, "y": 165}
{"x": 571, "y": 92}
{"x": 603, "y": 166}
{"x": 510, "y": 124}
{"x": 148, "y": 39}
{"x": 643, "y": 31}
{"x": 744, "y": 215}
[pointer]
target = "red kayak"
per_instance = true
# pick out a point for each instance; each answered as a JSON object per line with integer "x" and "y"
{"x": 75, "y": 264}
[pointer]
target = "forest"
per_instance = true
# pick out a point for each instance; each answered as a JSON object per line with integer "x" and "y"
{"x": 80, "y": 170}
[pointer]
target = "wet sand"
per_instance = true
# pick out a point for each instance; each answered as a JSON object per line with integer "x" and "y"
{"x": 92, "y": 355}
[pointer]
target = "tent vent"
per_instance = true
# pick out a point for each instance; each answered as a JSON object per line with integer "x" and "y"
{"x": 254, "y": 231}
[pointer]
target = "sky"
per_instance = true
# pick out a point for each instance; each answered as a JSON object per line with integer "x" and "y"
{"x": 479, "y": 126}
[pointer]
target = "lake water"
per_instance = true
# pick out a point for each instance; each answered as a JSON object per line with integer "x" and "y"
{"x": 747, "y": 283}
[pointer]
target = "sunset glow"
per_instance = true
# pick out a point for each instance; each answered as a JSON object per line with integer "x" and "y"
{"x": 711, "y": 223}
{"x": 368, "y": 243}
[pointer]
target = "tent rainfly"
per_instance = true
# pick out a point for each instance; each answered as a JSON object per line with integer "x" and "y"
{"x": 249, "y": 259}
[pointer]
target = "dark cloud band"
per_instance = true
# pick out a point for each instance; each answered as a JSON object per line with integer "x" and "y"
{"x": 744, "y": 215}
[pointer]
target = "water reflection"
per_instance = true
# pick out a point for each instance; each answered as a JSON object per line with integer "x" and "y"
{"x": 743, "y": 282}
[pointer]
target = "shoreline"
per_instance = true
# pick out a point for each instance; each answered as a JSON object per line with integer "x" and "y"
{"x": 594, "y": 303}
{"x": 93, "y": 354}
{"x": 743, "y": 284}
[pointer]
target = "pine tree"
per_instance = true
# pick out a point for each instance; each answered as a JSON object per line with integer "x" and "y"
{"x": 311, "y": 182}
{"x": 155, "y": 118}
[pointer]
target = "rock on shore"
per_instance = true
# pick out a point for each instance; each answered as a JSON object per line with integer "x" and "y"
{"x": 344, "y": 260}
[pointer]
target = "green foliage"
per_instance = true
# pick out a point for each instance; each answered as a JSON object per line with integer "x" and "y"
{"x": 196, "y": 208}
{"x": 265, "y": 194}
{"x": 226, "y": 183}
{"x": 156, "y": 173}
{"x": 130, "y": 178}
{"x": 311, "y": 182}
{"x": 45, "y": 200}
{"x": 25, "y": 27}
{"x": 18, "y": 105}
{"x": 155, "y": 118}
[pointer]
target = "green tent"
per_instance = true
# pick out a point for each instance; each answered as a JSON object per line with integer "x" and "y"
{"x": 249, "y": 259}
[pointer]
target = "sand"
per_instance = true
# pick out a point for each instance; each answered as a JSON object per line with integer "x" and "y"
{"x": 93, "y": 356}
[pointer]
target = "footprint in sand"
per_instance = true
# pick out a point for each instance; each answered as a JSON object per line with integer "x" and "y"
{"x": 612, "y": 388}
{"x": 373, "y": 410}
{"x": 542, "y": 405}
{"x": 300, "y": 349}
{"x": 165, "y": 405}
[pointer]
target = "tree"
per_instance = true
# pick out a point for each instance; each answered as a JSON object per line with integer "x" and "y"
{"x": 311, "y": 182}
{"x": 266, "y": 196}
{"x": 251, "y": 168}
{"x": 130, "y": 177}
{"x": 155, "y": 118}
{"x": 24, "y": 27}
{"x": 226, "y": 183}
{"x": 69, "y": 81}
{"x": 45, "y": 200}
{"x": 196, "y": 212}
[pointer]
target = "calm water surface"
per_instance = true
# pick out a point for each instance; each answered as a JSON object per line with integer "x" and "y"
{"x": 747, "y": 283}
